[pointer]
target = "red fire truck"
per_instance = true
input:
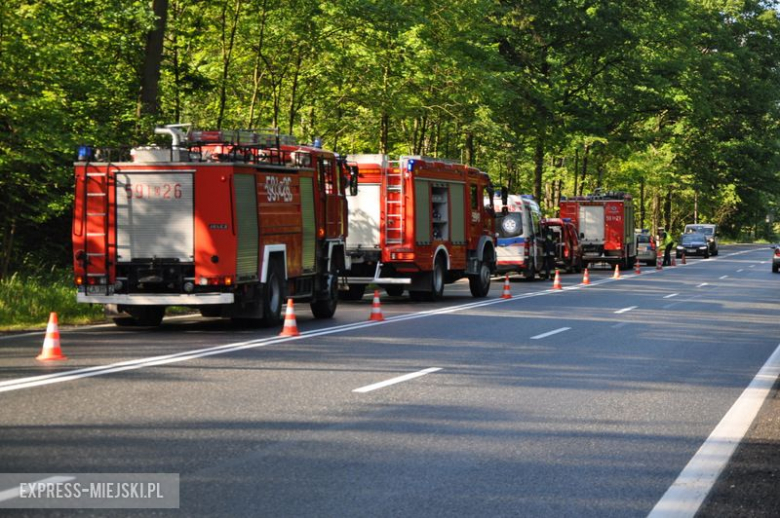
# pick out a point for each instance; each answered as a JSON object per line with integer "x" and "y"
{"x": 231, "y": 223}
{"x": 416, "y": 224}
{"x": 605, "y": 222}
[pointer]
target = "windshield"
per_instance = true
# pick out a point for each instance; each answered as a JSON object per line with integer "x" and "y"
{"x": 643, "y": 238}
{"x": 692, "y": 238}
{"x": 707, "y": 231}
{"x": 510, "y": 225}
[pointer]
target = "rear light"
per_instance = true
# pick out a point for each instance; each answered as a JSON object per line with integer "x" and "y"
{"x": 79, "y": 281}
{"x": 777, "y": 252}
{"x": 226, "y": 280}
{"x": 402, "y": 256}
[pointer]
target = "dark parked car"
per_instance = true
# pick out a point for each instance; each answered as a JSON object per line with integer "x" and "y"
{"x": 693, "y": 243}
{"x": 710, "y": 232}
{"x": 776, "y": 259}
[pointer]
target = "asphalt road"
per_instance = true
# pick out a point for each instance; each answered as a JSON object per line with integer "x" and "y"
{"x": 588, "y": 401}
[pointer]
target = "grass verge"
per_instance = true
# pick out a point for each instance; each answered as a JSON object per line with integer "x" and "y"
{"x": 26, "y": 301}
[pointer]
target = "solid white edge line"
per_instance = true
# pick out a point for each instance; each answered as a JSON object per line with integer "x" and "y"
{"x": 399, "y": 379}
{"x": 693, "y": 484}
{"x": 550, "y": 333}
{"x": 10, "y": 494}
{"x": 625, "y": 310}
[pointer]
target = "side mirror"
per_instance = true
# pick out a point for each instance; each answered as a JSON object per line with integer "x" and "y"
{"x": 582, "y": 235}
{"x": 504, "y": 196}
{"x": 353, "y": 180}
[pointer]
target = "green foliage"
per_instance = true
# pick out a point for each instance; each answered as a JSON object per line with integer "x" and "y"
{"x": 27, "y": 301}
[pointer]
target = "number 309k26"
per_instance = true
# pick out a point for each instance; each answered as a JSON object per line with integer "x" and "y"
{"x": 165, "y": 191}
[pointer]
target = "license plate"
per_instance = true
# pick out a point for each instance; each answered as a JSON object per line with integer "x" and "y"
{"x": 100, "y": 289}
{"x": 691, "y": 250}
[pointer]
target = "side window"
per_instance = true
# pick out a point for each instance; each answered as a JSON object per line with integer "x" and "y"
{"x": 328, "y": 175}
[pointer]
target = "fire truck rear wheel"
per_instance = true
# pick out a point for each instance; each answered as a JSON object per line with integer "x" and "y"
{"x": 437, "y": 279}
{"x": 273, "y": 295}
{"x": 326, "y": 308}
{"x": 480, "y": 284}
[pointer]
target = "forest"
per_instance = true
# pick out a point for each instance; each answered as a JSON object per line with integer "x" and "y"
{"x": 673, "y": 101}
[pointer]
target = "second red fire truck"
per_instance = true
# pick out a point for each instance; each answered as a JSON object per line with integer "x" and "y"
{"x": 416, "y": 224}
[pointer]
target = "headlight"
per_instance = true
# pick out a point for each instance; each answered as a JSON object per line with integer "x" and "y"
{"x": 702, "y": 247}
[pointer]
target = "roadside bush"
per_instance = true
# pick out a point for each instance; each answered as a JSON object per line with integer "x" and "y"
{"x": 26, "y": 301}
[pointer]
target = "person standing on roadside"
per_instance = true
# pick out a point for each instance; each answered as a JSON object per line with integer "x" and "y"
{"x": 549, "y": 254}
{"x": 667, "y": 243}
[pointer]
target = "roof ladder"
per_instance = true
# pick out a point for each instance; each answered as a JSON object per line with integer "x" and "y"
{"x": 395, "y": 206}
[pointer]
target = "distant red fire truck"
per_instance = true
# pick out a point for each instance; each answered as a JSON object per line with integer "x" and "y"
{"x": 605, "y": 222}
{"x": 231, "y": 223}
{"x": 416, "y": 224}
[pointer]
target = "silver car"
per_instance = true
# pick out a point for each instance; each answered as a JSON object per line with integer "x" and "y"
{"x": 646, "y": 249}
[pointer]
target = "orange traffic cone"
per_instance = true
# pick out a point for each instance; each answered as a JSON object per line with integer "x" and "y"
{"x": 376, "y": 310}
{"x": 585, "y": 277}
{"x": 557, "y": 281}
{"x": 659, "y": 262}
{"x": 51, "y": 344}
{"x": 290, "y": 325}
{"x": 506, "y": 294}
{"x": 683, "y": 258}
{"x": 637, "y": 268}
{"x": 617, "y": 272}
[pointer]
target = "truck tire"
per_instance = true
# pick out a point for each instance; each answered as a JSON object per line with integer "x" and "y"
{"x": 353, "y": 292}
{"x": 435, "y": 283}
{"x": 480, "y": 284}
{"x": 437, "y": 279}
{"x": 326, "y": 308}
{"x": 273, "y": 295}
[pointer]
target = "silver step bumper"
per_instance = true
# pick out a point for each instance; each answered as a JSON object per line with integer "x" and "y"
{"x": 157, "y": 300}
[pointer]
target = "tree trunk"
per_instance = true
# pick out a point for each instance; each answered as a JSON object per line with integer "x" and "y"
{"x": 470, "y": 148}
{"x": 668, "y": 210}
{"x": 150, "y": 71}
{"x": 642, "y": 203}
{"x": 384, "y": 133}
{"x": 294, "y": 92}
{"x": 227, "y": 55}
{"x": 7, "y": 247}
{"x": 257, "y": 74}
{"x": 584, "y": 168}
{"x": 576, "y": 168}
{"x": 538, "y": 167}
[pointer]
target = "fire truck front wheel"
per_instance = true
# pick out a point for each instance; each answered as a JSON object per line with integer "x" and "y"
{"x": 480, "y": 284}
